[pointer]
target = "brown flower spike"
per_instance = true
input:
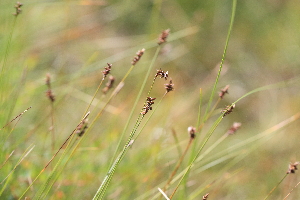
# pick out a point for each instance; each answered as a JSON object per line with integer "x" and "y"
{"x": 170, "y": 86}
{"x": 292, "y": 168}
{"x": 228, "y": 110}
{"x": 49, "y": 92}
{"x": 163, "y": 36}
{"x": 224, "y": 91}
{"x": 234, "y": 128}
{"x": 81, "y": 128}
{"x": 148, "y": 105}
{"x": 162, "y": 74}
{"x": 109, "y": 84}
{"x": 138, "y": 56}
{"x": 192, "y": 131}
{"x": 107, "y": 70}
{"x": 18, "y": 8}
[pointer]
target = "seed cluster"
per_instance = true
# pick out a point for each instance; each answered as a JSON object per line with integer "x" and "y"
{"x": 162, "y": 74}
{"x": 234, "y": 128}
{"x": 138, "y": 56}
{"x": 148, "y": 105}
{"x": 81, "y": 128}
{"x": 224, "y": 91}
{"x": 163, "y": 36}
{"x": 107, "y": 70}
{"x": 49, "y": 92}
{"x": 228, "y": 110}
{"x": 292, "y": 168}
{"x": 169, "y": 86}
{"x": 109, "y": 84}
{"x": 18, "y": 8}
{"x": 192, "y": 131}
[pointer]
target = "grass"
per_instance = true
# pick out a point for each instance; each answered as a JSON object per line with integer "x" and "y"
{"x": 160, "y": 130}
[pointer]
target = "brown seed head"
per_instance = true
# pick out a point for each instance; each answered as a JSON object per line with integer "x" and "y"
{"x": 292, "y": 168}
{"x": 18, "y": 8}
{"x": 163, "y": 36}
{"x": 49, "y": 92}
{"x": 224, "y": 91}
{"x": 228, "y": 110}
{"x": 81, "y": 128}
{"x": 170, "y": 86}
{"x": 109, "y": 84}
{"x": 138, "y": 56}
{"x": 162, "y": 74}
{"x": 148, "y": 105}
{"x": 107, "y": 70}
{"x": 234, "y": 128}
{"x": 192, "y": 131}
{"x": 50, "y": 95}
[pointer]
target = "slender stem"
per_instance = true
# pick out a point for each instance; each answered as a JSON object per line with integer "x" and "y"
{"x": 178, "y": 164}
{"x": 275, "y": 187}
{"x": 223, "y": 56}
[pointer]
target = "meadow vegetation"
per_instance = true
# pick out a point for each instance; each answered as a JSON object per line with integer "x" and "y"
{"x": 149, "y": 99}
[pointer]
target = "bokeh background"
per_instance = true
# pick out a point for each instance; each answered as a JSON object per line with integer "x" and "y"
{"x": 72, "y": 40}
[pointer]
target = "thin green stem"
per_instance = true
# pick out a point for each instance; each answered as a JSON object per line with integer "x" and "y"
{"x": 275, "y": 187}
{"x": 223, "y": 56}
{"x": 210, "y": 132}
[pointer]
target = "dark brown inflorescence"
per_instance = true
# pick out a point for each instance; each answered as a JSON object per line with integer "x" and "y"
{"x": 49, "y": 92}
{"x": 162, "y": 74}
{"x": 81, "y": 128}
{"x": 234, "y": 128}
{"x": 169, "y": 86}
{"x": 138, "y": 56}
{"x": 148, "y": 105}
{"x": 292, "y": 168}
{"x": 109, "y": 84}
{"x": 192, "y": 131}
{"x": 163, "y": 36}
{"x": 18, "y": 8}
{"x": 224, "y": 91}
{"x": 107, "y": 70}
{"x": 228, "y": 110}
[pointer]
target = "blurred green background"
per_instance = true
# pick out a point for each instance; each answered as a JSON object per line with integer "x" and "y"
{"x": 74, "y": 39}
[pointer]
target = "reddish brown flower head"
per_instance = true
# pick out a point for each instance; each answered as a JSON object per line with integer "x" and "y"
{"x": 49, "y": 92}
{"x": 162, "y": 74}
{"x": 109, "y": 84}
{"x": 224, "y": 91}
{"x": 18, "y": 8}
{"x": 138, "y": 56}
{"x": 170, "y": 86}
{"x": 234, "y": 128}
{"x": 148, "y": 105}
{"x": 163, "y": 36}
{"x": 192, "y": 131}
{"x": 292, "y": 168}
{"x": 106, "y": 70}
{"x": 50, "y": 95}
{"x": 228, "y": 110}
{"x": 81, "y": 128}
